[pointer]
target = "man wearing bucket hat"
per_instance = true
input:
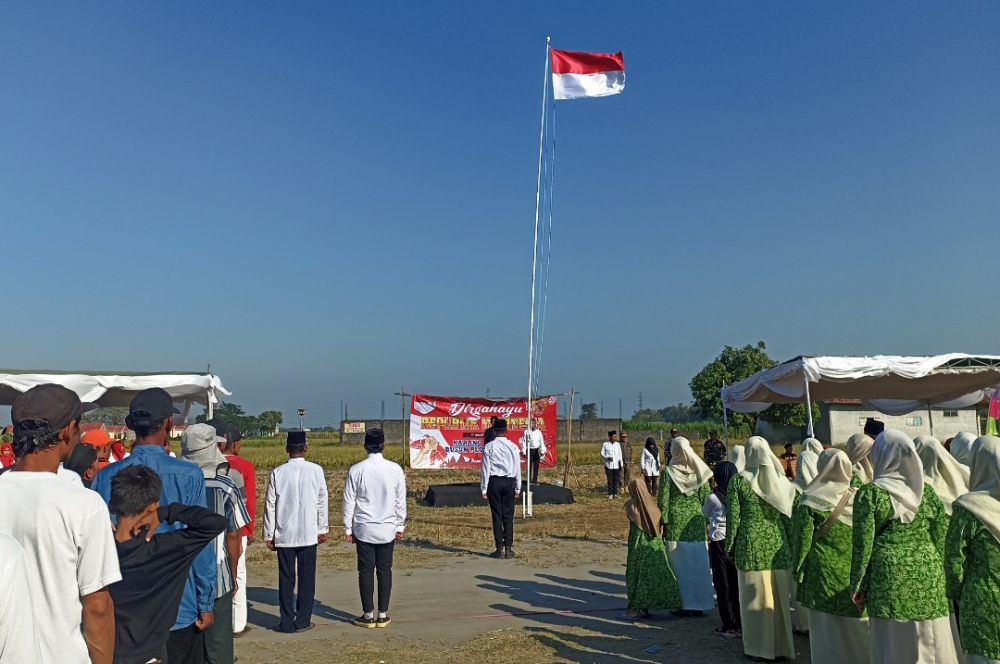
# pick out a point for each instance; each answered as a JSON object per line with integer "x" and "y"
{"x": 151, "y": 416}
{"x": 200, "y": 446}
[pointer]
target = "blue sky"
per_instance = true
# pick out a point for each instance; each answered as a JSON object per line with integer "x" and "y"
{"x": 328, "y": 201}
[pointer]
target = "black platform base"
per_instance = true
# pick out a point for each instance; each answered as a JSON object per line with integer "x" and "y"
{"x": 463, "y": 495}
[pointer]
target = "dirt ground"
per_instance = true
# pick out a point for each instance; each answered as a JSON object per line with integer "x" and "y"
{"x": 560, "y": 600}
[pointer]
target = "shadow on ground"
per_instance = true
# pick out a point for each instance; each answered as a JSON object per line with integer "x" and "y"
{"x": 269, "y": 596}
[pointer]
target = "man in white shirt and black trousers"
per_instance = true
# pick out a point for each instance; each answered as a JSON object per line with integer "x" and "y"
{"x": 374, "y": 520}
{"x": 295, "y": 523}
{"x": 533, "y": 448}
{"x": 500, "y": 483}
{"x": 611, "y": 452}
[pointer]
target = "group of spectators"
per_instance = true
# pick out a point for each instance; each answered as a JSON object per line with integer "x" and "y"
{"x": 883, "y": 550}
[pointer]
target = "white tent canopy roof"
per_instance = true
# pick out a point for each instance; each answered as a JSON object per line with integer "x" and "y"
{"x": 116, "y": 389}
{"x": 891, "y": 384}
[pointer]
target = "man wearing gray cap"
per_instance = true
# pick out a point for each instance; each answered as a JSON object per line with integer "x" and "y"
{"x": 200, "y": 446}
{"x": 64, "y": 530}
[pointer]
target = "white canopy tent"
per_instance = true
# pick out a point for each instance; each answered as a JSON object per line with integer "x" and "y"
{"x": 117, "y": 389}
{"x": 890, "y": 384}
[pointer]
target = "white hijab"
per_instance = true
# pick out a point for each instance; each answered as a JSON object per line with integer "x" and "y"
{"x": 766, "y": 476}
{"x": 806, "y": 468}
{"x": 738, "y": 457}
{"x": 984, "y": 498}
{"x": 949, "y": 478}
{"x": 859, "y": 447}
{"x": 899, "y": 472}
{"x": 833, "y": 479}
{"x": 961, "y": 447}
{"x": 685, "y": 468}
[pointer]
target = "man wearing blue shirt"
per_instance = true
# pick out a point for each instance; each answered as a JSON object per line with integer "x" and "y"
{"x": 151, "y": 417}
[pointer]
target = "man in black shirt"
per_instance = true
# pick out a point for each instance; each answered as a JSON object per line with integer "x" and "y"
{"x": 715, "y": 450}
{"x": 154, "y": 568}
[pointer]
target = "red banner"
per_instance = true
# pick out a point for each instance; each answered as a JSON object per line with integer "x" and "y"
{"x": 447, "y": 432}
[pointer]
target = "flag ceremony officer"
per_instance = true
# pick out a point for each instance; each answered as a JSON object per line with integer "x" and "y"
{"x": 500, "y": 483}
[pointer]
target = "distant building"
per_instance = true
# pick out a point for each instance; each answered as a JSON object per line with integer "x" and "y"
{"x": 119, "y": 432}
{"x": 840, "y": 418}
{"x": 178, "y": 430}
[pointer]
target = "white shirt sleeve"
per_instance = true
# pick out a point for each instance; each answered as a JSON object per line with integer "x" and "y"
{"x": 517, "y": 487}
{"x": 484, "y": 471}
{"x": 270, "y": 502}
{"x": 97, "y": 566}
{"x": 18, "y": 638}
{"x": 401, "y": 502}
{"x": 350, "y": 501}
{"x": 322, "y": 504}
{"x": 542, "y": 450}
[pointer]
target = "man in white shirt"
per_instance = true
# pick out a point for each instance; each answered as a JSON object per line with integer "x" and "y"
{"x": 611, "y": 452}
{"x": 533, "y": 448}
{"x": 374, "y": 519}
{"x": 64, "y": 530}
{"x": 500, "y": 483}
{"x": 295, "y": 523}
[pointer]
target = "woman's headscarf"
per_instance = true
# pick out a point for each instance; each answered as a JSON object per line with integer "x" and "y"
{"x": 961, "y": 447}
{"x": 833, "y": 479}
{"x": 766, "y": 476}
{"x": 899, "y": 472}
{"x": 653, "y": 449}
{"x": 686, "y": 469}
{"x": 723, "y": 472}
{"x": 983, "y": 500}
{"x": 642, "y": 509}
{"x": 942, "y": 471}
{"x": 738, "y": 457}
{"x": 806, "y": 469}
{"x": 7, "y": 455}
{"x": 859, "y": 447}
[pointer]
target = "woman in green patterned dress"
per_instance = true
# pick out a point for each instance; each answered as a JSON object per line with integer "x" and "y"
{"x": 897, "y": 568}
{"x": 858, "y": 448}
{"x": 760, "y": 504}
{"x": 649, "y": 581}
{"x": 972, "y": 555}
{"x": 683, "y": 490}
{"x": 821, "y": 546}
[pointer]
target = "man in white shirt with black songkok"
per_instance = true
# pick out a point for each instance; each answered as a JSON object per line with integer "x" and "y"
{"x": 374, "y": 520}
{"x": 295, "y": 523}
{"x": 500, "y": 483}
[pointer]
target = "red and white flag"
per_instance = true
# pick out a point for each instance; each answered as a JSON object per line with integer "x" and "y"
{"x": 576, "y": 74}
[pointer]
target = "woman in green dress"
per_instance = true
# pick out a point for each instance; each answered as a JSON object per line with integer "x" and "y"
{"x": 649, "y": 581}
{"x": 858, "y": 448}
{"x": 972, "y": 555}
{"x": 897, "y": 568}
{"x": 760, "y": 504}
{"x": 821, "y": 546}
{"x": 683, "y": 490}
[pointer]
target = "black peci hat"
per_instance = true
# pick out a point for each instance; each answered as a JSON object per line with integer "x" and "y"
{"x": 296, "y": 441}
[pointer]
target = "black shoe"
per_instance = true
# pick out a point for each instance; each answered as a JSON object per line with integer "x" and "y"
{"x": 497, "y": 554}
{"x": 367, "y": 623}
{"x": 383, "y": 622}
{"x": 509, "y": 553}
{"x": 282, "y": 629}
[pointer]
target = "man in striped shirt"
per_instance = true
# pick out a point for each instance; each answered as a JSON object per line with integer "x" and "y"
{"x": 199, "y": 445}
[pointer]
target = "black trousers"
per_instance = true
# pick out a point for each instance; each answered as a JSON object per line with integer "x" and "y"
{"x": 186, "y": 645}
{"x": 375, "y": 559}
{"x": 219, "y": 637}
{"x": 500, "y": 494}
{"x": 726, "y": 586}
{"x": 535, "y": 460}
{"x": 298, "y": 614}
{"x": 614, "y": 476}
{"x": 651, "y": 483}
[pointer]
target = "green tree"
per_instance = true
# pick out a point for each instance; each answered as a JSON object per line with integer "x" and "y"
{"x": 269, "y": 421}
{"x": 112, "y": 415}
{"x": 731, "y": 366}
{"x": 647, "y": 415}
{"x": 588, "y": 411}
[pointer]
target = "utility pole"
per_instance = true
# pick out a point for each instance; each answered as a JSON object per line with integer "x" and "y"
{"x": 620, "y": 408}
{"x": 382, "y": 419}
{"x": 402, "y": 394}
{"x": 602, "y": 409}
{"x": 569, "y": 438}
{"x": 302, "y": 413}
{"x": 640, "y": 401}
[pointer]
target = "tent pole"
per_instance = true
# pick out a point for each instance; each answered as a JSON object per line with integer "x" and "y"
{"x": 211, "y": 410}
{"x": 725, "y": 418}
{"x": 809, "y": 407}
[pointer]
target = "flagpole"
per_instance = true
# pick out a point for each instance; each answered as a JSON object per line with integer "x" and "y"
{"x": 526, "y": 507}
